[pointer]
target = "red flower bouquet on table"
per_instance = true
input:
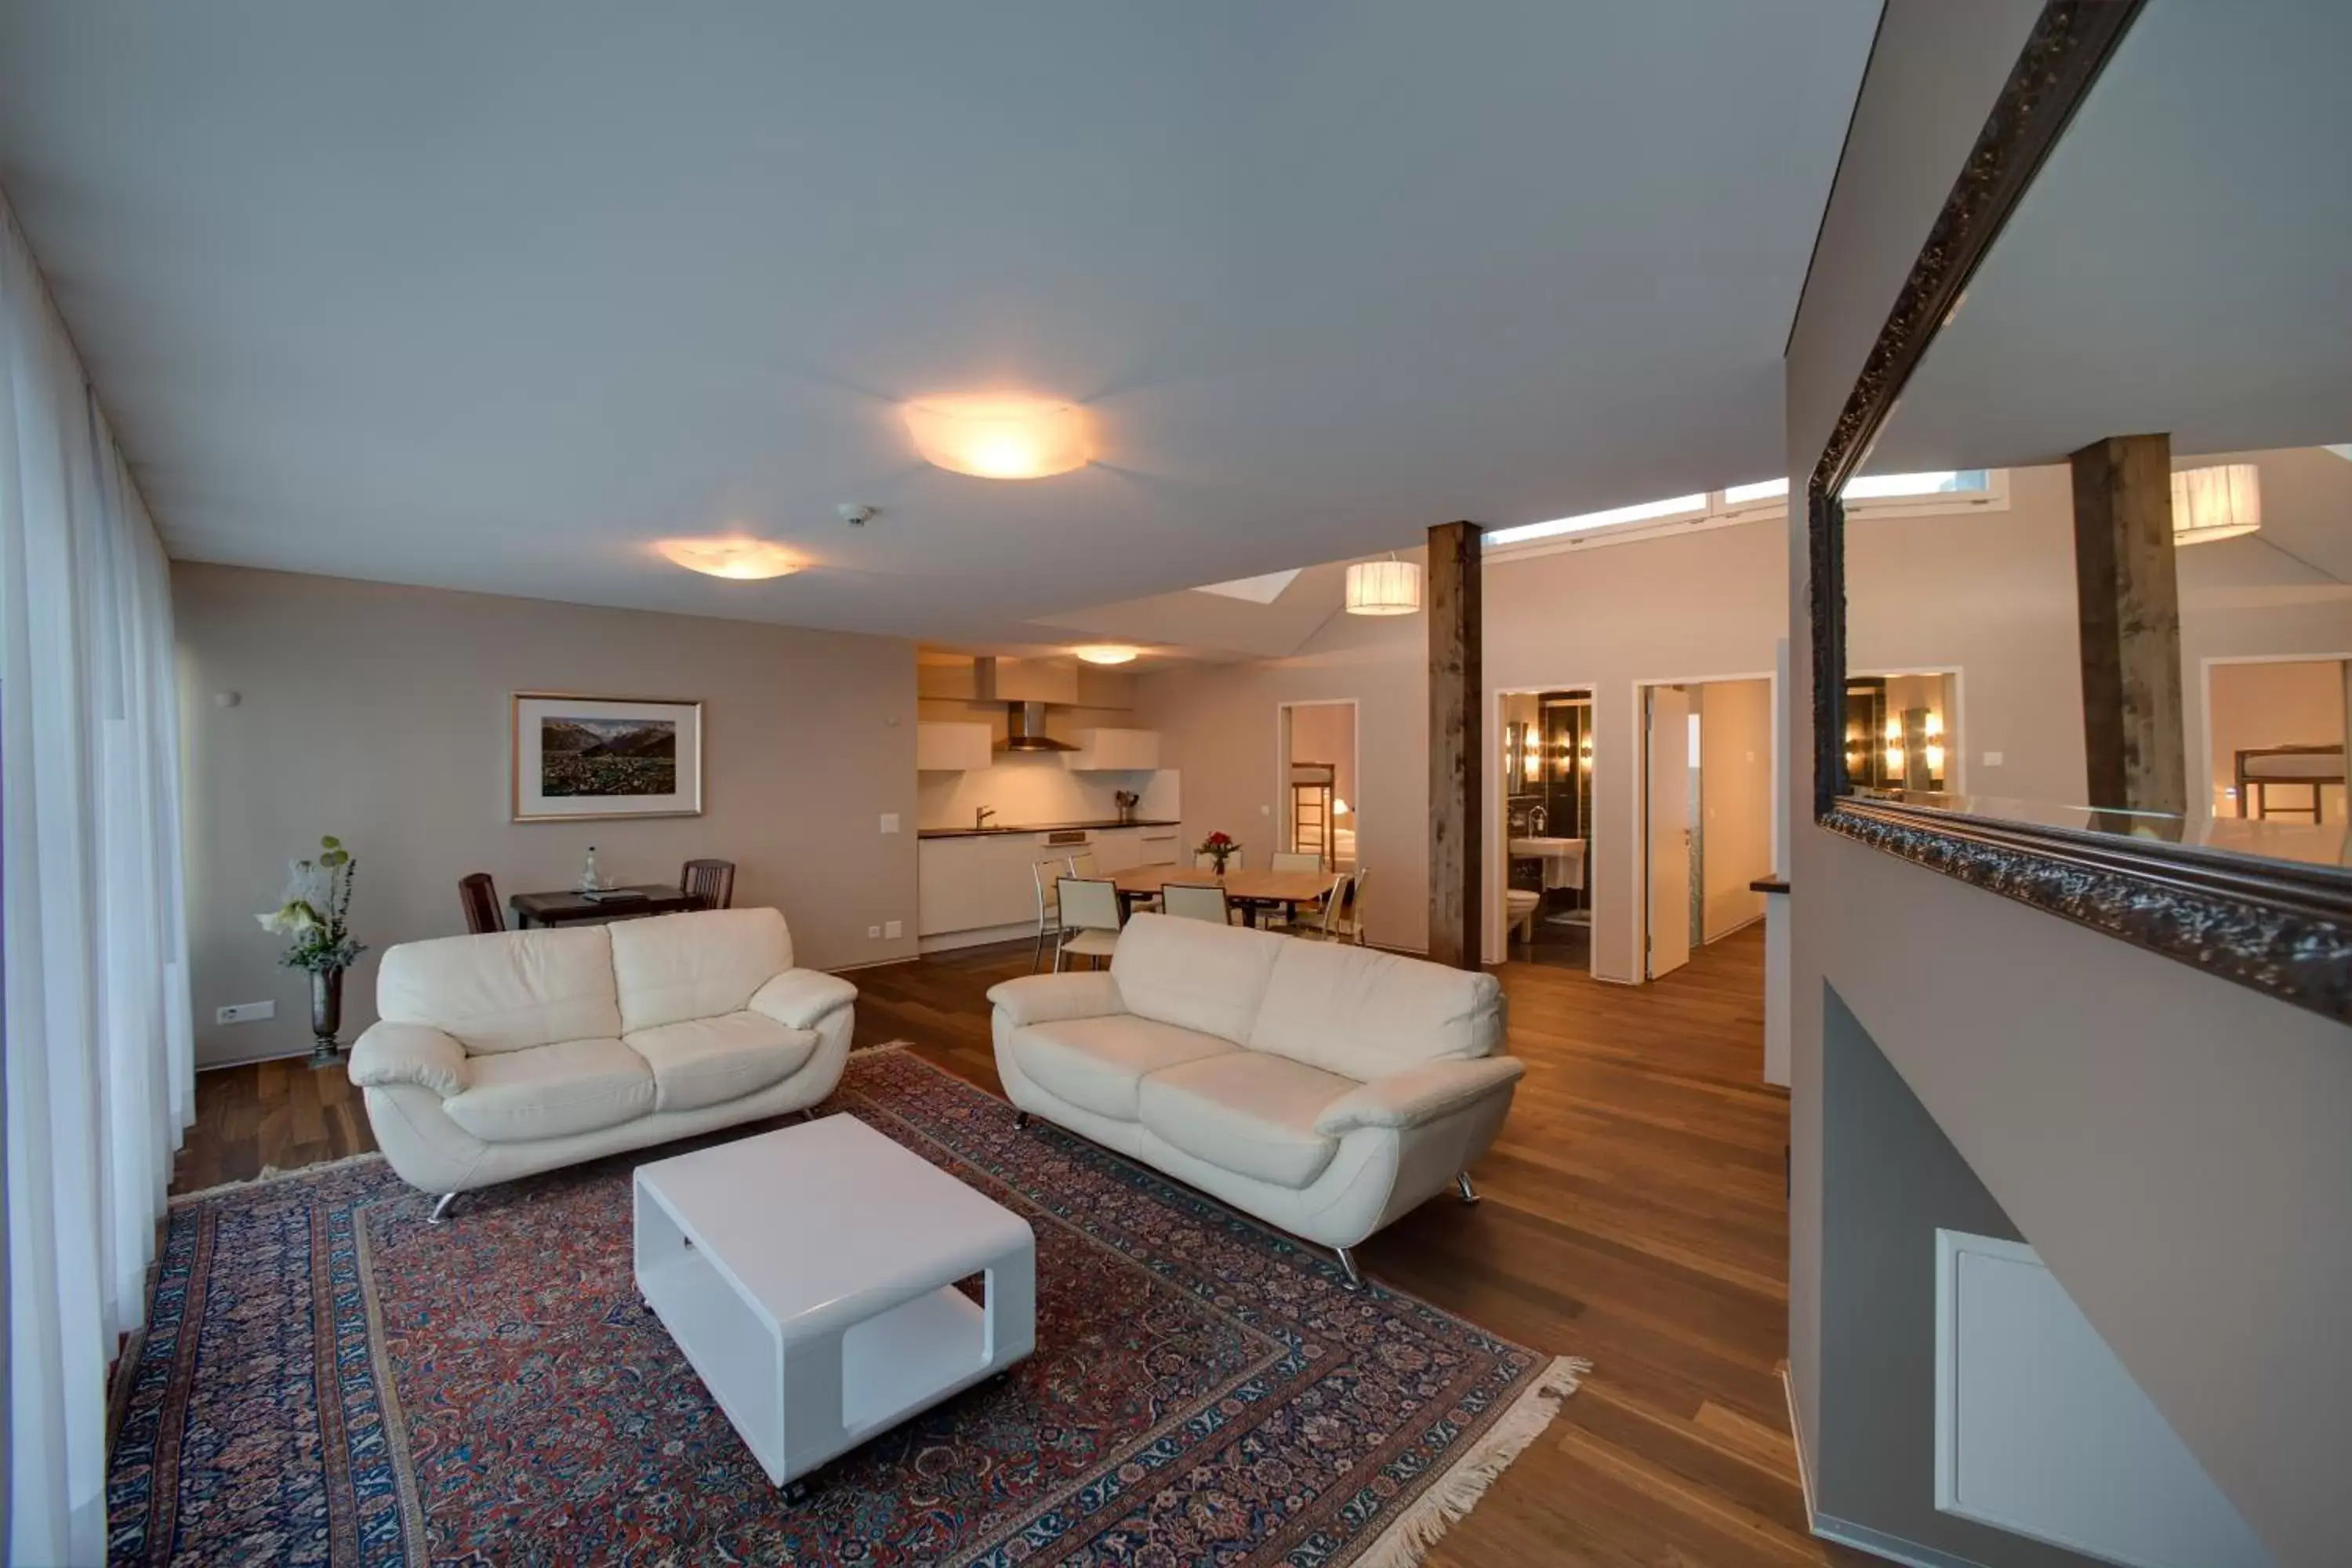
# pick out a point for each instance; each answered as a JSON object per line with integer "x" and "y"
{"x": 1220, "y": 847}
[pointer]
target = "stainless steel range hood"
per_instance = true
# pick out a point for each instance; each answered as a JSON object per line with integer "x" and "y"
{"x": 1024, "y": 725}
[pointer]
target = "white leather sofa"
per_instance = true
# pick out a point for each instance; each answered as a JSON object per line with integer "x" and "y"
{"x": 514, "y": 1052}
{"x": 1324, "y": 1089}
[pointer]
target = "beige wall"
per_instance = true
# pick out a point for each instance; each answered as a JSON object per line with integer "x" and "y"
{"x": 381, "y": 715}
{"x": 1734, "y": 800}
{"x": 2171, "y": 1143}
{"x": 1218, "y": 728}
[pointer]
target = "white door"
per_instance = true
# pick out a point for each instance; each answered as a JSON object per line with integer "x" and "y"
{"x": 1666, "y": 764}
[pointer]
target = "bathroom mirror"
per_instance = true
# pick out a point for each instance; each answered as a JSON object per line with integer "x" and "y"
{"x": 2081, "y": 542}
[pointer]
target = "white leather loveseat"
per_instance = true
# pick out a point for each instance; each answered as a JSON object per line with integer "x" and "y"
{"x": 1323, "y": 1088}
{"x": 502, "y": 1054}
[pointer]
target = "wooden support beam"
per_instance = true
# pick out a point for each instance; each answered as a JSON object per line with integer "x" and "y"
{"x": 2134, "y": 739}
{"x": 1457, "y": 750}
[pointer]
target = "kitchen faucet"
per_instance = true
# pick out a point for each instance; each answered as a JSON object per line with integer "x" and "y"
{"x": 981, "y": 814}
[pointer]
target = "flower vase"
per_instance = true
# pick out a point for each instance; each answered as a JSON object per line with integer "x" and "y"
{"x": 1220, "y": 860}
{"x": 326, "y": 1016}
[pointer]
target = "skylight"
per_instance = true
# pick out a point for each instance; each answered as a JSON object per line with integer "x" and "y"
{"x": 1263, "y": 590}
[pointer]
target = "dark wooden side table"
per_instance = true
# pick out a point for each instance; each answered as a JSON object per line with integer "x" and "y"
{"x": 574, "y": 908}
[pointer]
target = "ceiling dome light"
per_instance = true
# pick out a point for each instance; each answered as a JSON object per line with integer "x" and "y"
{"x": 2216, "y": 504}
{"x": 1107, "y": 653}
{"x": 1389, "y": 587}
{"x": 744, "y": 559}
{"x": 1001, "y": 438}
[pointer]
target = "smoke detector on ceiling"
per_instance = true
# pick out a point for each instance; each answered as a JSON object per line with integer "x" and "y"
{"x": 855, "y": 515}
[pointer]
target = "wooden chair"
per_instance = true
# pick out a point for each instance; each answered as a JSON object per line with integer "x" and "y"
{"x": 479, "y": 897}
{"x": 712, "y": 881}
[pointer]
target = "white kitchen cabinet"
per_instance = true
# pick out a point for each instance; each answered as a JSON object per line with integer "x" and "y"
{"x": 1114, "y": 752}
{"x": 977, "y": 882}
{"x": 1117, "y": 849}
{"x": 953, "y": 747}
{"x": 1160, "y": 845}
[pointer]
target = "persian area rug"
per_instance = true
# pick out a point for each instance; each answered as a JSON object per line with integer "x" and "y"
{"x": 325, "y": 1379}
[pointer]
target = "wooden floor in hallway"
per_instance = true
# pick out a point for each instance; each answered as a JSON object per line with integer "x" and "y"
{"x": 1635, "y": 1214}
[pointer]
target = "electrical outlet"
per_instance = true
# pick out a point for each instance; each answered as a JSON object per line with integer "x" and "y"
{"x": 245, "y": 1013}
{"x": 895, "y": 930}
{"x": 890, "y": 822}
{"x": 875, "y": 932}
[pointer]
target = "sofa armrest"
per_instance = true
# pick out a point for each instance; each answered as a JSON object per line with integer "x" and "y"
{"x": 1049, "y": 998}
{"x": 409, "y": 1053}
{"x": 1419, "y": 1094}
{"x": 803, "y": 998}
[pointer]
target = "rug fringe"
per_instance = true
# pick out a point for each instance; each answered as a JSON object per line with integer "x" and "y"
{"x": 270, "y": 1173}
{"x": 1406, "y": 1542}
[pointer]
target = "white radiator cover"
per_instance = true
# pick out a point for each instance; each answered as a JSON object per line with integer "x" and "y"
{"x": 2040, "y": 1431}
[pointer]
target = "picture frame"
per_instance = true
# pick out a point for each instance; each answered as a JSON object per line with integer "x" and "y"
{"x": 577, "y": 758}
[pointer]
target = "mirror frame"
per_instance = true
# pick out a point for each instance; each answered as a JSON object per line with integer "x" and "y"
{"x": 2280, "y": 928}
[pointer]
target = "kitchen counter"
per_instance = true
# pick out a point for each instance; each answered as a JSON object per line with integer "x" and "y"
{"x": 1105, "y": 824}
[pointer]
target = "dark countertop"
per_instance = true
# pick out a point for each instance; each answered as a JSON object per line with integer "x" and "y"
{"x": 992, "y": 828}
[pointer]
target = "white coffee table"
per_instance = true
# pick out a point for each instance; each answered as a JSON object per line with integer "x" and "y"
{"x": 808, "y": 1274}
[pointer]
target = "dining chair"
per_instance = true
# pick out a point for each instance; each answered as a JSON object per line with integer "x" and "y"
{"x": 1084, "y": 864}
{"x": 1197, "y": 902}
{"x": 1294, "y": 860}
{"x": 1339, "y": 923}
{"x": 1090, "y": 918}
{"x": 712, "y": 881}
{"x": 1047, "y": 874}
{"x": 1209, "y": 862}
{"x": 479, "y": 897}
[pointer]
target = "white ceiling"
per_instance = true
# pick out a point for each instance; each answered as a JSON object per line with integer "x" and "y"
{"x": 489, "y": 296}
{"x": 2182, "y": 263}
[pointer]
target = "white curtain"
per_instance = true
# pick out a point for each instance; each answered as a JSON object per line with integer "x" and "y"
{"x": 100, "y": 1053}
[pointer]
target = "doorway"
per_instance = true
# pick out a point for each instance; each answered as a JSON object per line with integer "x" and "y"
{"x": 1708, "y": 793}
{"x": 1318, "y": 806}
{"x": 2275, "y": 730}
{"x": 1544, "y": 797}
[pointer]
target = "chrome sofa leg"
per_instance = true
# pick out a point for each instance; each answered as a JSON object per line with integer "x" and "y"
{"x": 1462, "y": 1185}
{"x": 441, "y": 1210}
{"x": 1348, "y": 1262}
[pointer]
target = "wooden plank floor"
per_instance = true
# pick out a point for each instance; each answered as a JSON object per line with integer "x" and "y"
{"x": 1634, "y": 1214}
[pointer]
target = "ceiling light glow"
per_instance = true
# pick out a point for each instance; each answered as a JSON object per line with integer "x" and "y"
{"x": 1002, "y": 437}
{"x": 1107, "y": 653}
{"x": 745, "y": 560}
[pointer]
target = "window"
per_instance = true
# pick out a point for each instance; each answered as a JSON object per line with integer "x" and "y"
{"x": 1948, "y": 482}
{"x": 1673, "y": 507}
{"x": 1873, "y": 495}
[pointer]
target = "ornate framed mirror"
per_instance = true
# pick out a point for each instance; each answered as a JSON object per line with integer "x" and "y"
{"x": 2081, "y": 541}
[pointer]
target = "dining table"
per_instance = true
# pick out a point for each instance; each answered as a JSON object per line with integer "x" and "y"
{"x": 572, "y": 907}
{"x": 1249, "y": 891}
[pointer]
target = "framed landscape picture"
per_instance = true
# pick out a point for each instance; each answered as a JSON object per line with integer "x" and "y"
{"x": 585, "y": 757}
